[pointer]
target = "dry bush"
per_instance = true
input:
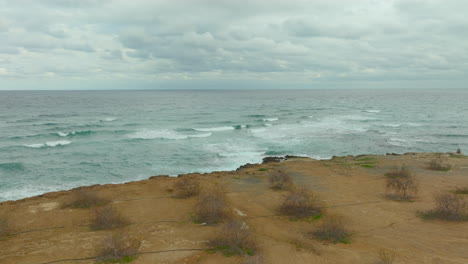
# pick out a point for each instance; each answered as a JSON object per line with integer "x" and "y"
{"x": 399, "y": 172}
{"x": 186, "y": 187}
{"x": 438, "y": 165}
{"x": 400, "y": 184}
{"x": 279, "y": 180}
{"x": 449, "y": 207}
{"x": 117, "y": 248}
{"x": 5, "y": 228}
{"x": 461, "y": 190}
{"x": 235, "y": 239}
{"x": 84, "y": 199}
{"x": 257, "y": 259}
{"x": 300, "y": 202}
{"x": 211, "y": 207}
{"x": 107, "y": 218}
{"x": 386, "y": 257}
{"x": 333, "y": 229}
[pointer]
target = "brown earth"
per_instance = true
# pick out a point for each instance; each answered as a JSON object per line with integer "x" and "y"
{"x": 43, "y": 232}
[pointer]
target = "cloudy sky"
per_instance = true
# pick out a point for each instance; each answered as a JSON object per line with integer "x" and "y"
{"x": 159, "y": 44}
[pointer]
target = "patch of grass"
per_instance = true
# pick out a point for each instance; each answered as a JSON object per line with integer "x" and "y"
{"x": 333, "y": 230}
{"x": 365, "y": 159}
{"x": 5, "y": 228}
{"x": 84, "y": 199}
{"x": 458, "y": 156}
{"x": 367, "y": 166}
{"x": 386, "y": 257}
{"x": 279, "y": 180}
{"x": 235, "y": 238}
{"x": 107, "y": 218}
{"x": 118, "y": 248}
{"x": 461, "y": 190}
{"x": 438, "y": 164}
{"x": 211, "y": 207}
{"x": 301, "y": 203}
{"x": 186, "y": 187}
{"x": 449, "y": 207}
{"x": 262, "y": 169}
{"x": 400, "y": 184}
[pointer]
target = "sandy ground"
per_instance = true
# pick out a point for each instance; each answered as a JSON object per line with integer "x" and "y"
{"x": 44, "y": 232}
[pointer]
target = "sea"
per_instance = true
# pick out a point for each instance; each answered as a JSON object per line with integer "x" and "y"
{"x": 58, "y": 140}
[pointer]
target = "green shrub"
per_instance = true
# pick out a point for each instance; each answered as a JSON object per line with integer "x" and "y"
{"x": 400, "y": 184}
{"x": 235, "y": 238}
{"x": 117, "y": 248}
{"x": 333, "y": 230}
{"x": 438, "y": 165}
{"x": 449, "y": 207}
{"x": 300, "y": 202}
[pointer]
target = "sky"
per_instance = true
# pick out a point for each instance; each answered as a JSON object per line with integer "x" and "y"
{"x": 233, "y": 44}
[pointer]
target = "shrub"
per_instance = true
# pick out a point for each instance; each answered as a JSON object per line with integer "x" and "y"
{"x": 300, "y": 202}
{"x": 438, "y": 165}
{"x": 235, "y": 239}
{"x": 333, "y": 230}
{"x": 84, "y": 199}
{"x": 386, "y": 257}
{"x": 400, "y": 184}
{"x": 257, "y": 259}
{"x": 461, "y": 190}
{"x": 399, "y": 172}
{"x": 186, "y": 187}
{"x": 280, "y": 181}
{"x": 5, "y": 228}
{"x": 211, "y": 207}
{"x": 107, "y": 218}
{"x": 449, "y": 207}
{"x": 117, "y": 248}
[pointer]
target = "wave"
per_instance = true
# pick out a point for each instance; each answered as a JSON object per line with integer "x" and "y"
{"x": 165, "y": 134}
{"x": 270, "y": 119}
{"x": 75, "y": 133}
{"x": 215, "y": 129}
{"x": 108, "y": 119}
{"x": 241, "y": 126}
{"x": 12, "y": 166}
{"x": 49, "y": 144}
{"x": 372, "y": 111}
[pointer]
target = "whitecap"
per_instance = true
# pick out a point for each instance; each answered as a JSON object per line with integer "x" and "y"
{"x": 153, "y": 134}
{"x": 270, "y": 119}
{"x": 109, "y": 119}
{"x": 215, "y": 129}
{"x": 62, "y": 134}
{"x": 49, "y": 144}
{"x": 267, "y": 125}
{"x": 372, "y": 111}
{"x": 200, "y": 135}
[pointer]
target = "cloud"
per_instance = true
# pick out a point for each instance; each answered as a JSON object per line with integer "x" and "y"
{"x": 278, "y": 41}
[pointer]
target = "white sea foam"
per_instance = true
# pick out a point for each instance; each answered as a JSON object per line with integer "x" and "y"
{"x": 110, "y": 119}
{"x": 165, "y": 134}
{"x": 200, "y": 135}
{"x": 215, "y": 129}
{"x": 49, "y": 144}
{"x": 268, "y": 125}
{"x": 62, "y": 134}
{"x": 270, "y": 119}
{"x": 372, "y": 111}
{"x": 153, "y": 134}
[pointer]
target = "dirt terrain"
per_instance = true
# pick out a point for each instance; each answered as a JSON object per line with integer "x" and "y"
{"x": 354, "y": 187}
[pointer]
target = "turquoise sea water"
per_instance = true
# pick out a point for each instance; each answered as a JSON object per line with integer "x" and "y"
{"x": 56, "y": 140}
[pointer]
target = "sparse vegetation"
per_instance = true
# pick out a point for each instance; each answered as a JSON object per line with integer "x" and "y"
{"x": 386, "y": 257}
{"x": 117, "y": 248}
{"x": 400, "y": 184}
{"x": 461, "y": 190}
{"x": 279, "y": 180}
{"x": 5, "y": 228}
{"x": 107, "y": 218}
{"x": 438, "y": 165}
{"x": 449, "y": 207}
{"x": 211, "y": 207}
{"x": 84, "y": 199}
{"x": 235, "y": 239}
{"x": 300, "y": 202}
{"x": 257, "y": 259}
{"x": 262, "y": 169}
{"x": 186, "y": 187}
{"x": 333, "y": 230}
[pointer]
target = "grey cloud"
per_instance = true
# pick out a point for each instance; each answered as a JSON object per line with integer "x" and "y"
{"x": 279, "y": 40}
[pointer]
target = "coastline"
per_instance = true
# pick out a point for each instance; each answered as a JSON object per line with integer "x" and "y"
{"x": 352, "y": 186}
